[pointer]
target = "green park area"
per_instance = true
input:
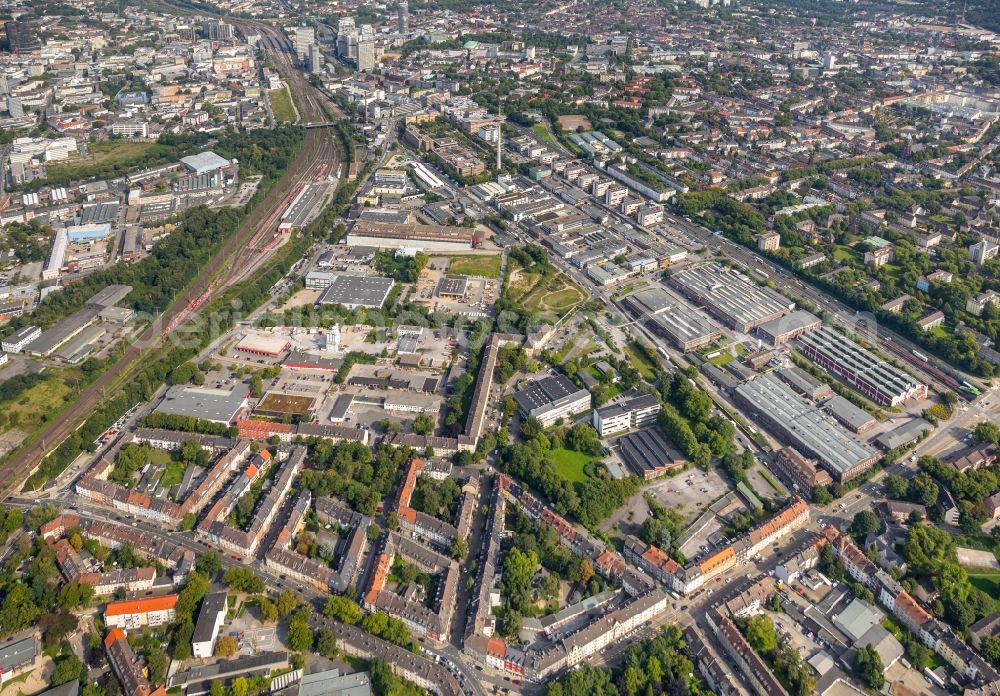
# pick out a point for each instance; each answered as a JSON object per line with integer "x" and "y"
{"x": 556, "y": 294}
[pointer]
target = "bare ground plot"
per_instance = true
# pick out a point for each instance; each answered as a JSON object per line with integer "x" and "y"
{"x": 675, "y": 493}
{"x": 302, "y": 298}
{"x": 976, "y": 558}
{"x": 571, "y": 122}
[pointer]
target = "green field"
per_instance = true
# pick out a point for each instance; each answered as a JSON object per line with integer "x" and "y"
{"x": 843, "y": 253}
{"x": 987, "y": 582}
{"x": 33, "y": 408}
{"x": 543, "y": 134}
{"x": 557, "y": 295}
{"x": 639, "y": 361}
{"x": 174, "y": 470}
{"x": 486, "y": 266}
{"x": 569, "y": 463}
{"x": 281, "y": 105}
{"x": 108, "y": 156}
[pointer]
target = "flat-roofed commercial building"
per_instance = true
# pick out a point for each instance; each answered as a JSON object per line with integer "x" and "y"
{"x": 216, "y": 405}
{"x": 550, "y": 399}
{"x": 875, "y": 378}
{"x": 20, "y": 340}
{"x": 730, "y": 296}
{"x": 799, "y": 423}
{"x": 667, "y": 315}
{"x": 267, "y": 345}
{"x": 353, "y": 291}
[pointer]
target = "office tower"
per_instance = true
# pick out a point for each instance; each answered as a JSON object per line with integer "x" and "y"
{"x": 403, "y": 16}
{"x": 21, "y": 37}
{"x": 304, "y": 38}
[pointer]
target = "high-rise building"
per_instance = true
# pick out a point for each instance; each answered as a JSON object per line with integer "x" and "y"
{"x": 315, "y": 59}
{"x": 403, "y": 17}
{"x": 304, "y": 38}
{"x": 21, "y": 37}
{"x": 347, "y": 35}
{"x": 366, "y": 53}
{"x": 217, "y": 30}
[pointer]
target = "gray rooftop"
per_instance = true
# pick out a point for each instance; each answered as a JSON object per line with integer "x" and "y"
{"x": 847, "y": 413}
{"x": 547, "y": 393}
{"x": 797, "y": 320}
{"x": 671, "y": 315}
{"x": 333, "y": 683}
{"x": 213, "y": 604}
{"x": 357, "y": 291}
{"x": 216, "y": 405}
{"x": 850, "y": 357}
{"x": 18, "y": 652}
{"x": 730, "y": 295}
{"x": 809, "y": 429}
{"x": 204, "y": 162}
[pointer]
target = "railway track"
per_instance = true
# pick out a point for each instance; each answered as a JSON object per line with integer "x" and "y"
{"x": 229, "y": 265}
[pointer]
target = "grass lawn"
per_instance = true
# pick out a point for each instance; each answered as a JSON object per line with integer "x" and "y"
{"x": 639, "y": 361}
{"x": 988, "y": 582}
{"x": 557, "y": 295}
{"x": 569, "y": 463}
{"x": 723, "y": 358}
{"x": 562, "y": 300}
{"x": 173, "y": 474}
{"x": 543, "y": 134}
{"x": 843, "y": 253}
{"x": 281, "y": 105}
{"x": 487, "y": 265}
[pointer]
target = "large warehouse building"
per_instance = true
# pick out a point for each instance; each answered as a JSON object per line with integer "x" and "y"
{"x": 730, "y": 297}
{"x": 355, "y": 291}
{"x": 769, "y": 401}
{"x": 265, "y": 345}
{"x": 420, "y": 237}
{"x": 875, "y": 378}
{"x": 667, "y": 315}
{"x": 550, "y": 399}
{"x": 216, "y": 405}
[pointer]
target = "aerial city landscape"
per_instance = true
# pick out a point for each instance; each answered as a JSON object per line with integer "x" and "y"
{"x": 469, "y": 347}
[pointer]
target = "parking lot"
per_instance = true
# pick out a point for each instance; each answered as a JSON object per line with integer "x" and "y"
{"x": 688, "y": 492}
